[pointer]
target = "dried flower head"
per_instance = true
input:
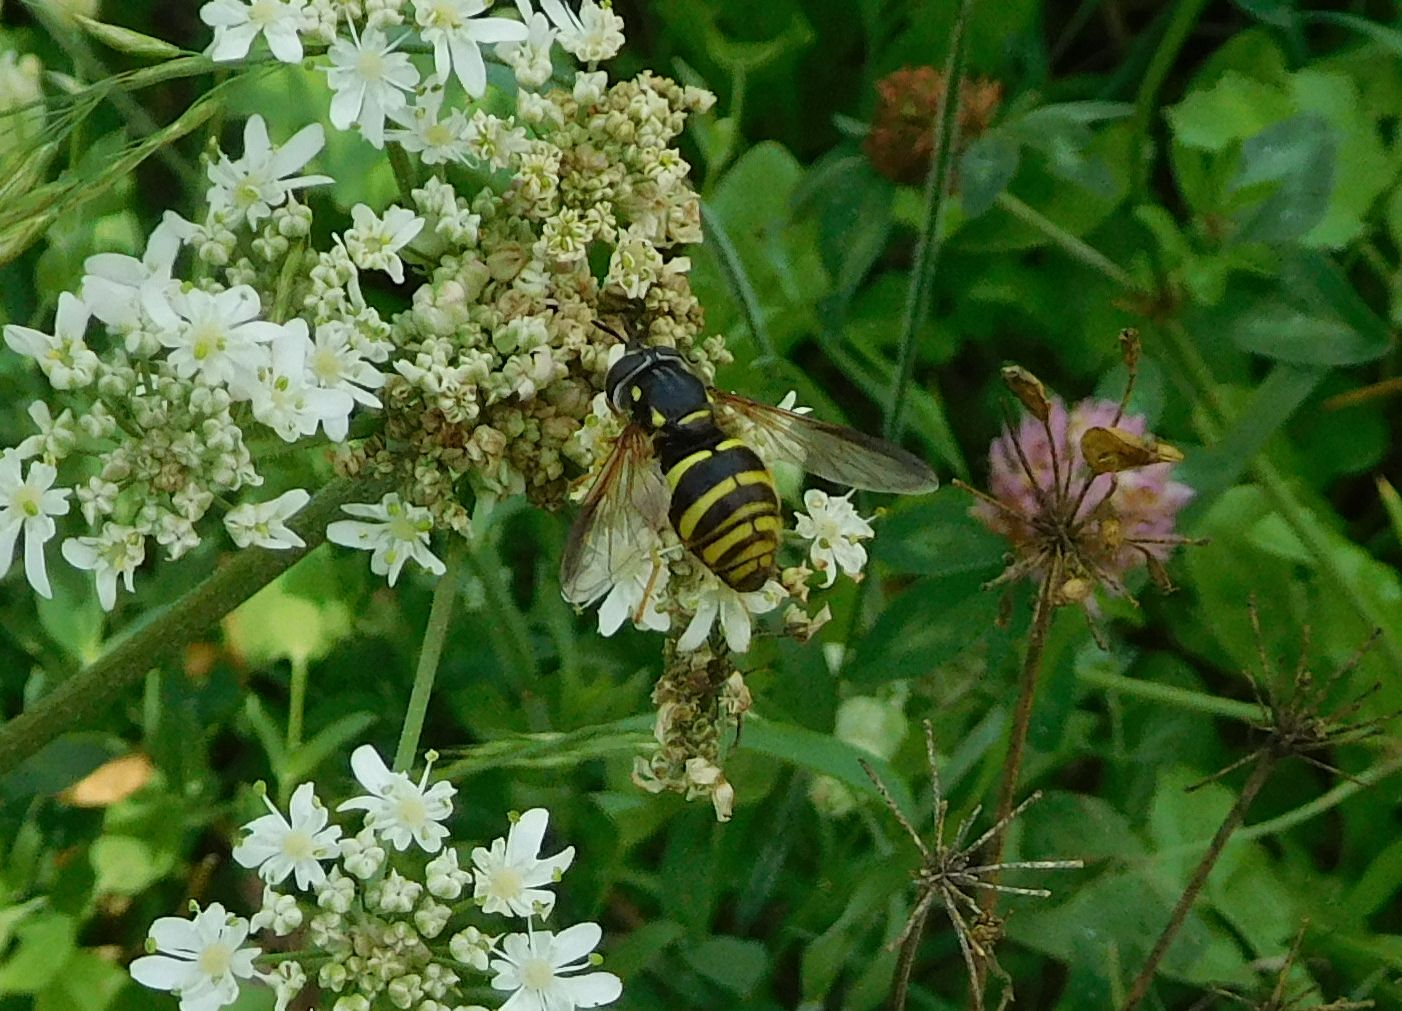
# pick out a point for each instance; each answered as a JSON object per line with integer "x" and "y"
{"x": 1084, "y": 495}
{"x": 902, "y": 138}
{"x": 948, "y": 874}
{"x": 1299, "y": 722}
{"x": 1282, "y": 998}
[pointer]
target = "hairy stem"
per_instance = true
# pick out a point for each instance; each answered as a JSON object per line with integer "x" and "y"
{"x": 97, "y": 688}
{"x": 927, "y": 249}
{"x": 440, "y": 615}
{"x": 297, "y": 701}
{"x": 1260, "y": 772}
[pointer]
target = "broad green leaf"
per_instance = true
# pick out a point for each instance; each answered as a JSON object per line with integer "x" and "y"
{"x": 1298, "y": 156}
{"x": 936, "y": 536}
{"x": 126, "y": 865}
{"x": 1234, "y": 108}
{"x": 985, "y": 170}
{"x": 88, "y": 982}
{"x": 277, "y": 625}
{"x": 735, "y": 964}
{"x": 931, "y": 623}
{"x": 46, "y": 941}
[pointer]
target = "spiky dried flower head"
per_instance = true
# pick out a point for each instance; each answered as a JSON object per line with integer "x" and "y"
{"x": 949, "y": 873}
{"x": 1298, "y": 720}
{"x": 901, "y": 142}
{"x": 1084, "y": 495}
{"x": 1281, "y": 997}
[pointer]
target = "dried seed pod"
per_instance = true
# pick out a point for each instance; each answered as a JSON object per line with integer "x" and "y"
{"x": 1130, "y": 346}
{"x": 1111, "y": 450}
{"x": 1029, "y": 390}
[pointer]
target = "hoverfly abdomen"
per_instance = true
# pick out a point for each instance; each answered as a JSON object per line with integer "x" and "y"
{"x": 724, "y": 507}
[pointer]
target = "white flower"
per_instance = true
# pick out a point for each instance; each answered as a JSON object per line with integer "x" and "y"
{"x": 394, "y": 531}
{"x": 263, "y": 178}
{"x": 511, "y": 874}
{"x": 277, "y": 847}
{"x": 397, "y": 810}
{"x": 279, "y": 912}
{"x": 126, "y": 293}
{"x": 287, "y": 980}
{"x": 337, "y": 892}
{"x": 471, "y": 947}
{"x": 713, "y": 599}
{"x": 63, "y": 356}
{"x": 530, "y": 59}
{"x": 201, "y": 960}
{"x": 264, "y": 524}
{"x": 29, "y": 504}
{"x": 435, "y": 140}
{"x": 431, "y": 917}
{"x": 455, "y": 31}
{"x": 117, "y": 551}
{"x": 444, "y": 878}
{"x": 541, "y": 968}
{"x": 639, "y": 587}
{"x": 835, "y": 529}
{"x": 374, "y": 243}
{"x": 219, "y": 335}
{"x": 361, "y": 855}
{"x": 338, "y": 362}
{"x": 592, "y": 35}
{"x": 236, "y": 24}
{"x": 56, "y": 438}
{"x": 395, "y": 894}
{"x": 283, "y": 394}
{"x": 369, "y": 80}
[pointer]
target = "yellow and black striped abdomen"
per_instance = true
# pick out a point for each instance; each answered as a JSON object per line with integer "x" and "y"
{"x": 725, "y": 510}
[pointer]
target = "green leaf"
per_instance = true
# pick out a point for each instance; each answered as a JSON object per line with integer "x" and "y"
{"x": 88, "y": 982}
{"x": 733, "y": 963}
{"x": 1279, "y": 13}
{"x": 985, "y": 170}
{"x": 823, "y": 754}
{"x": 1234, "y": 108}
{"x": 852, "y": 206}
{"x": 126, "y": 865}
{"x": 930, "y": 624}
{"x": 46, "y": 942}
{"x": 1298, "y": 155}
{"x": 277, "y": 625}
{"x": 1384, "y": 35}
{"x": 936, "y": 536}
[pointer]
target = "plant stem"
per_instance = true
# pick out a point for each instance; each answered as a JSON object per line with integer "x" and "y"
{"x": 1181, "y": 698}
{"x": 440, "y": 614}
{"x": 1073, "y": 245}
{"x": 1260, "y": 772}
{"x": 97, "y": 688}
{"x": 404, "y": 173}
{"x": 740, "y": 286}
{"x": 931, "y": 240}
{"x": 1185, "y": 16}
{"x": 297, "y": 702}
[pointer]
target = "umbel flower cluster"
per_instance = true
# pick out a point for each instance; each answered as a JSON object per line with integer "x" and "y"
{"x": 179, "y": 374}
{"x": 388, "y": 916}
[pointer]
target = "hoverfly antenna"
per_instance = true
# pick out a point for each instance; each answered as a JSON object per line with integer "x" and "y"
{"x": 629, "y": 341}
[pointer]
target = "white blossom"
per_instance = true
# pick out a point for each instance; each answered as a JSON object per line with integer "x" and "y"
{"x": 63, "y": 356}
{"x": 115, "y": 552}
{"x": 529, "y": 58}
{"x": 361, "y": 855}
{"x": 455, "y": 31}
{"x": 56, "y": 438}
{"x": 714, "y": 599}
{"x": 545, "y": 971}
{"x": 237, "y": 23}
{"x": 264, "y": 524}
{"x": 130, "y": 295}
{"x": 396, "y": 809}
{"x": 280, "y": 913}
{"x": 29, "y": 504}
{"x": 287, "y": 980}
{"x": 201, "y": 959}
{"x": 369, "y": 80}
{"x": 511, "y": 875}
{"x": 395, "y": 894}
{"x": 337, "y": 893}
{"x": 219, "y": 334}
{"x": 592, "y": 35}
{"x": 395, "y": 531}
{"x": 435, "y": 139}
{"x": 444, "y": 878}
{"x": 263, "y": 178}
{"x": 836, "y": 532}
{"x": 283, "y": 392}
{"x": 638, "y": 589}
{"x": 278, "y": 847}
{"x": 472, "y": 947}
{"x": 374, "y": 242}
{"x": 338, "y": 362}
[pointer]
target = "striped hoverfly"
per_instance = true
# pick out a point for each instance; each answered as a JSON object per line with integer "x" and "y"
{"x": 676, "y": 463}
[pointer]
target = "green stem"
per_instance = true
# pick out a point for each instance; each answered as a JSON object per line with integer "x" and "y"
{"x": 738, "y": 279}
{"x": 440, "y": 615}
{"x": 404, "y": 172}
{"x": 1185, "y": 16}
{"x": 297, "y": 702}
{"x": 1180, "y": 698}
{"x": 98, "y": 688}
{"x": 512, "y": 637}
{"x": 927, "y": 250}
{"x": 1324, "y": 802}
{"x": 1072, "y": 245}
{"x": 291, "y": 268}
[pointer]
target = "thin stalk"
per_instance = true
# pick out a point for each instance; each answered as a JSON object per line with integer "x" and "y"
{"x": 734, "y": 270}
{"x": 1260, "y": 772}
{"x": 905, "y": 964}
{"x": 440, "y": 615}
{"x": 404, "y": 173}
{"x": 513, "y": 638}
{"x": 1172, "y": 695}
{"x": 1077, "y": 248}
{"x": 297, "y": 702}
{"x": 927, "y": 249}
{"x": 1185, "y": 15}
{"x": 98, "y": 688}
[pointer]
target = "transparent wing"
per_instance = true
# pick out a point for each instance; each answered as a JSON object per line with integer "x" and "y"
{"x": 626, "y": 505}
{"x": 835, "y": 452}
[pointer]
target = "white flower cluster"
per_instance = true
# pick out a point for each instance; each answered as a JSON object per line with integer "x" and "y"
{"x": 383, "y": 927}
{"x": 164, "y": 402}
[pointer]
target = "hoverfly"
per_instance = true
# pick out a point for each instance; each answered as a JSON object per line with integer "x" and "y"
{"x": 676, "y": 463}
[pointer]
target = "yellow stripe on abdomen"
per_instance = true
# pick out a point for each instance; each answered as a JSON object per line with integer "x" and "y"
{"x": 679, "y": 469}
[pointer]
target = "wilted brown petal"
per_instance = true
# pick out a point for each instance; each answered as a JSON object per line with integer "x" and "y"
{"x": 1029, "y": 390}
{"x": 1111, "y": 450}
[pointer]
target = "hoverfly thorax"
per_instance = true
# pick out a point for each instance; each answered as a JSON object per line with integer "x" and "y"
{"x": 655, "y": 388}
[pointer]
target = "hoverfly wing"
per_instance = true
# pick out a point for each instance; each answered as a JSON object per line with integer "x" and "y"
{"x": 834, "y": 452}
{"x": 628, "y": 497}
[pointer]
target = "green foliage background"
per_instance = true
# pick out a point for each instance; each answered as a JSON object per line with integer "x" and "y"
{"x": 1224, "y": 176}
